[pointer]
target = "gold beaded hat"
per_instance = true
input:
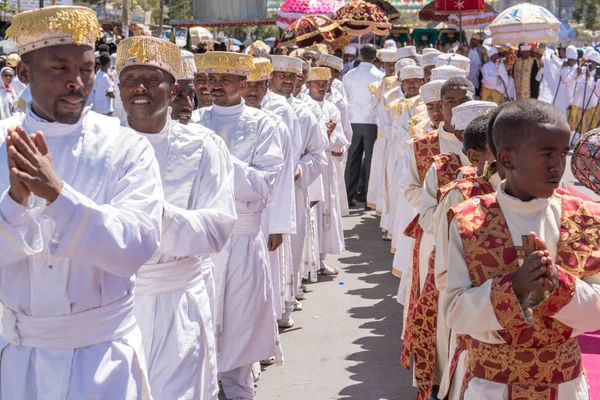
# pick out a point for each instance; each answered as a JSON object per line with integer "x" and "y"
{"x": 327, "y": 60}
{"x": 54, "y": 26}
{"x": 429, "y": 59}
{"x": 405, "y": 62}
{"x": 432, "y": 91}
{"x": 188, "y": 66}
{"x": 261, "y": 70}
{"x": 222, "y": 62}
{"x": 446, "y": 72}
{"x": 406, "y": 51}
{"x": 149, "y": 51}
{"x": 411, "y": 72}
{"x": 319, "y": 74}
{"x": 456, "y": 60}
{"x": 287, "y": 64}
{"x": 463, "y": 114}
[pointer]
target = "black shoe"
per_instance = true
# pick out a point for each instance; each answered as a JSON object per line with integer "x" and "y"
{"x": 367, "y": 208}
{"x": 360, "y": 197}
{"x": 351, "y": 203}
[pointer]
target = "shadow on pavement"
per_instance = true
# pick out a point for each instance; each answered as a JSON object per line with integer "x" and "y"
{"x": 377, "y": 372}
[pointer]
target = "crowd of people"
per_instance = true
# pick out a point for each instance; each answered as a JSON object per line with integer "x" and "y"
{"x": 161, "y": 211}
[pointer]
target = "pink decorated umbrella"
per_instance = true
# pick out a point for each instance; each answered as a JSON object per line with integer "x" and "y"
{"x": 292, "y": 10}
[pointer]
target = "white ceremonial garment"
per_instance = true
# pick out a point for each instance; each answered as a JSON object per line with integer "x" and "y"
{"x": 312, "y": 159}
{"x": 281, "y": 218}
{"x": 338, "y": 86}
{"x": 246, "y": 329}
{"x": 328, "y": 211}
{"x": 555, "y": 80}
{"x": 340, "y": 162}
{"x": 569, "y": 75}
{"x": 495, "y": 77}
{"x": 68, "y": 269}
{"x": 451, "y": 386}
{"x": 361, "y": 103}
{"x": 469, "y": 310}
{"x": 173, "y": 291}
{"x": 584, "y": 87}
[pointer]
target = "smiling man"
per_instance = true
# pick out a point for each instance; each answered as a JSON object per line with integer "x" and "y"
{"x": 174, "y": 288}
{"x": 182, "y": 103}
{"x": 245, "y": 318}
{"x": 201, "y": 86}
{"x": 80, "y": 213}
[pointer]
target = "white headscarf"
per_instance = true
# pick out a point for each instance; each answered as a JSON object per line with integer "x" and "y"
{"x": 6, "y": 96}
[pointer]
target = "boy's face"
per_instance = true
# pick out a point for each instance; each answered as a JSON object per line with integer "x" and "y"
{"x": 411, "y": 87}
{"x": 535, "y": 166}
{"x": 479, "y": 159}
{"x": 434, "y": 110}
{"x": 451, "y": 99}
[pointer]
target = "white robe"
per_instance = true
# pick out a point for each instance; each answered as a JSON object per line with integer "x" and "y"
{"x": 246, "y": 329}
{"x": 312, "y": 159}
{"x": 174, "y": 289}
{"x": 281, "y": 219}
{"x": 68, "y": 270}
{"x": 328, "y": 211}
{"x": 556, "y": 82}
{"x": 469, "y": 310}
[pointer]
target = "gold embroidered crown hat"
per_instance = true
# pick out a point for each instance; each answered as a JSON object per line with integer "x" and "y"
{"x": 188, "y": 66}
{"x": 405, "y": 62}
{"x": 388, "y": 55}
{"x": 411, "y": 72}
{"x": 327, "y": 60}
{"x": 463, "y": 114}
{"x": 446, "y": 72}
{"x": 222, "y": 62}
{"x": 456, "y": 60}
{"x": 149, "y": 51}
{"x": 319, "y": 74}
{"x": 287, "y": 64}
{"x": 406, "y": 51}
{"x": 54, "y": 26}
{"x": 429, "y": 59}
{"x": 261, "y": 70}
{"x": 432, "y": 91}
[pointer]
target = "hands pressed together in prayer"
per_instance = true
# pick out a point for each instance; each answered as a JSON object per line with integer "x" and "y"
{"x": 537, "y": 276}
{"x": 330, "y": 127}
{"x": 31, "y": 167}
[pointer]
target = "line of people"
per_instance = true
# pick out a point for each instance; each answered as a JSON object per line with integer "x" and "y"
{"x": 156, "y": 256}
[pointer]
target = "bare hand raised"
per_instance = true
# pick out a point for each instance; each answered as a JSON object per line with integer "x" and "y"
{"x": 18, "y": 191}
{"x": 33, "y": 164}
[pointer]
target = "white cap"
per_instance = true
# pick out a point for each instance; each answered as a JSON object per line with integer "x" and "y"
{"x": 491, "y": 51}
{"x": 350, "y": 50}
{"x": 429, "y": 59}
{"x": 388, "y": 55}
{"x": 286, "y": 64}
{"x": 390, "y": 44}
{"x": 405, "y": 62}
{"x": 406, "y": 51}
{"x": 446, "y": 72}
{"x": 411, "y": 72}
{"x": 594, "y": 56}
{"x": 428, "y": 50}
{"x": 327, "y": 60}
{"x": 463, "y": 114}
{"x": 572, "y": 52}
{"x": 456, "y": 60}
{"x": 525, "y": 47}
{"x": 188, "y": 65}
{"x": 432, "y": 91}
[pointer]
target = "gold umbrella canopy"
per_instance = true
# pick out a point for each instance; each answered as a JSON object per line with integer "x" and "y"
{"x": 360, "y": 18}
{"x": 313, "y": 29}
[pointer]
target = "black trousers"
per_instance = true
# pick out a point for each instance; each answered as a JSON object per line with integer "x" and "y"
{"x": 359, "y": 154}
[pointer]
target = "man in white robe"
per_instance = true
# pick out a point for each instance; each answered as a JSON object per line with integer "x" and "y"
{"x": 558, "y": 78}
{"x": 80, "y": 213}
{"x": 312, "y": 157}
{"x": 174, "y": 288}
{"x": 279, "y": 221}
{"x": 328, "y": 211}
{"x": 246, "y": 329}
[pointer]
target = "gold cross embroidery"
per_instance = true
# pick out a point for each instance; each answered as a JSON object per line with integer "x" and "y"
{"x": 523, "y": 251}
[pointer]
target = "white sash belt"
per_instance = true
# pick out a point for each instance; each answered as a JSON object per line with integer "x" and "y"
{"x": 68, "y": 332}
{"x": 247, "y": 224}
{"x": 169, "y": 277}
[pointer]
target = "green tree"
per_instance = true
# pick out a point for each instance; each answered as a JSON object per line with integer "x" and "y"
{"x": 586, "y": 13}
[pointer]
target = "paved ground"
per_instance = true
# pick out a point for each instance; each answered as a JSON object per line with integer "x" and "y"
{"x": 346, "y": 342}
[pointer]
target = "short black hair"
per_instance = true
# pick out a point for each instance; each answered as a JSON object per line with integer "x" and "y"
{"x": 104, "y": 59}
{"x": 103, "y": 47}
{"x": 475, "y": 136}
{"x": 368, "y": 52}
{"x": 509, "y": 127}
{"x": 491, "y": 119}
{"x": 457, "y": 83}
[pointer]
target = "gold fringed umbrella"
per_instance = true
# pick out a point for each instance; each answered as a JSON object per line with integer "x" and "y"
{"x": 314, "y": 29}
{"x": 360, "y": 18}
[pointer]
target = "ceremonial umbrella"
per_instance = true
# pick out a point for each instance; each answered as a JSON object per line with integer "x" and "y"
{"x": 525, "y": 23}
{"x": 313, "y": 29}
{"x": 473, "y": 21}
{"x": 392, "y": 13}
{"x": 585, "y": 161}
{"x": 291, "y": 10}
{"x": 361, "y": 17}
{"x": 442, "y": 11}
